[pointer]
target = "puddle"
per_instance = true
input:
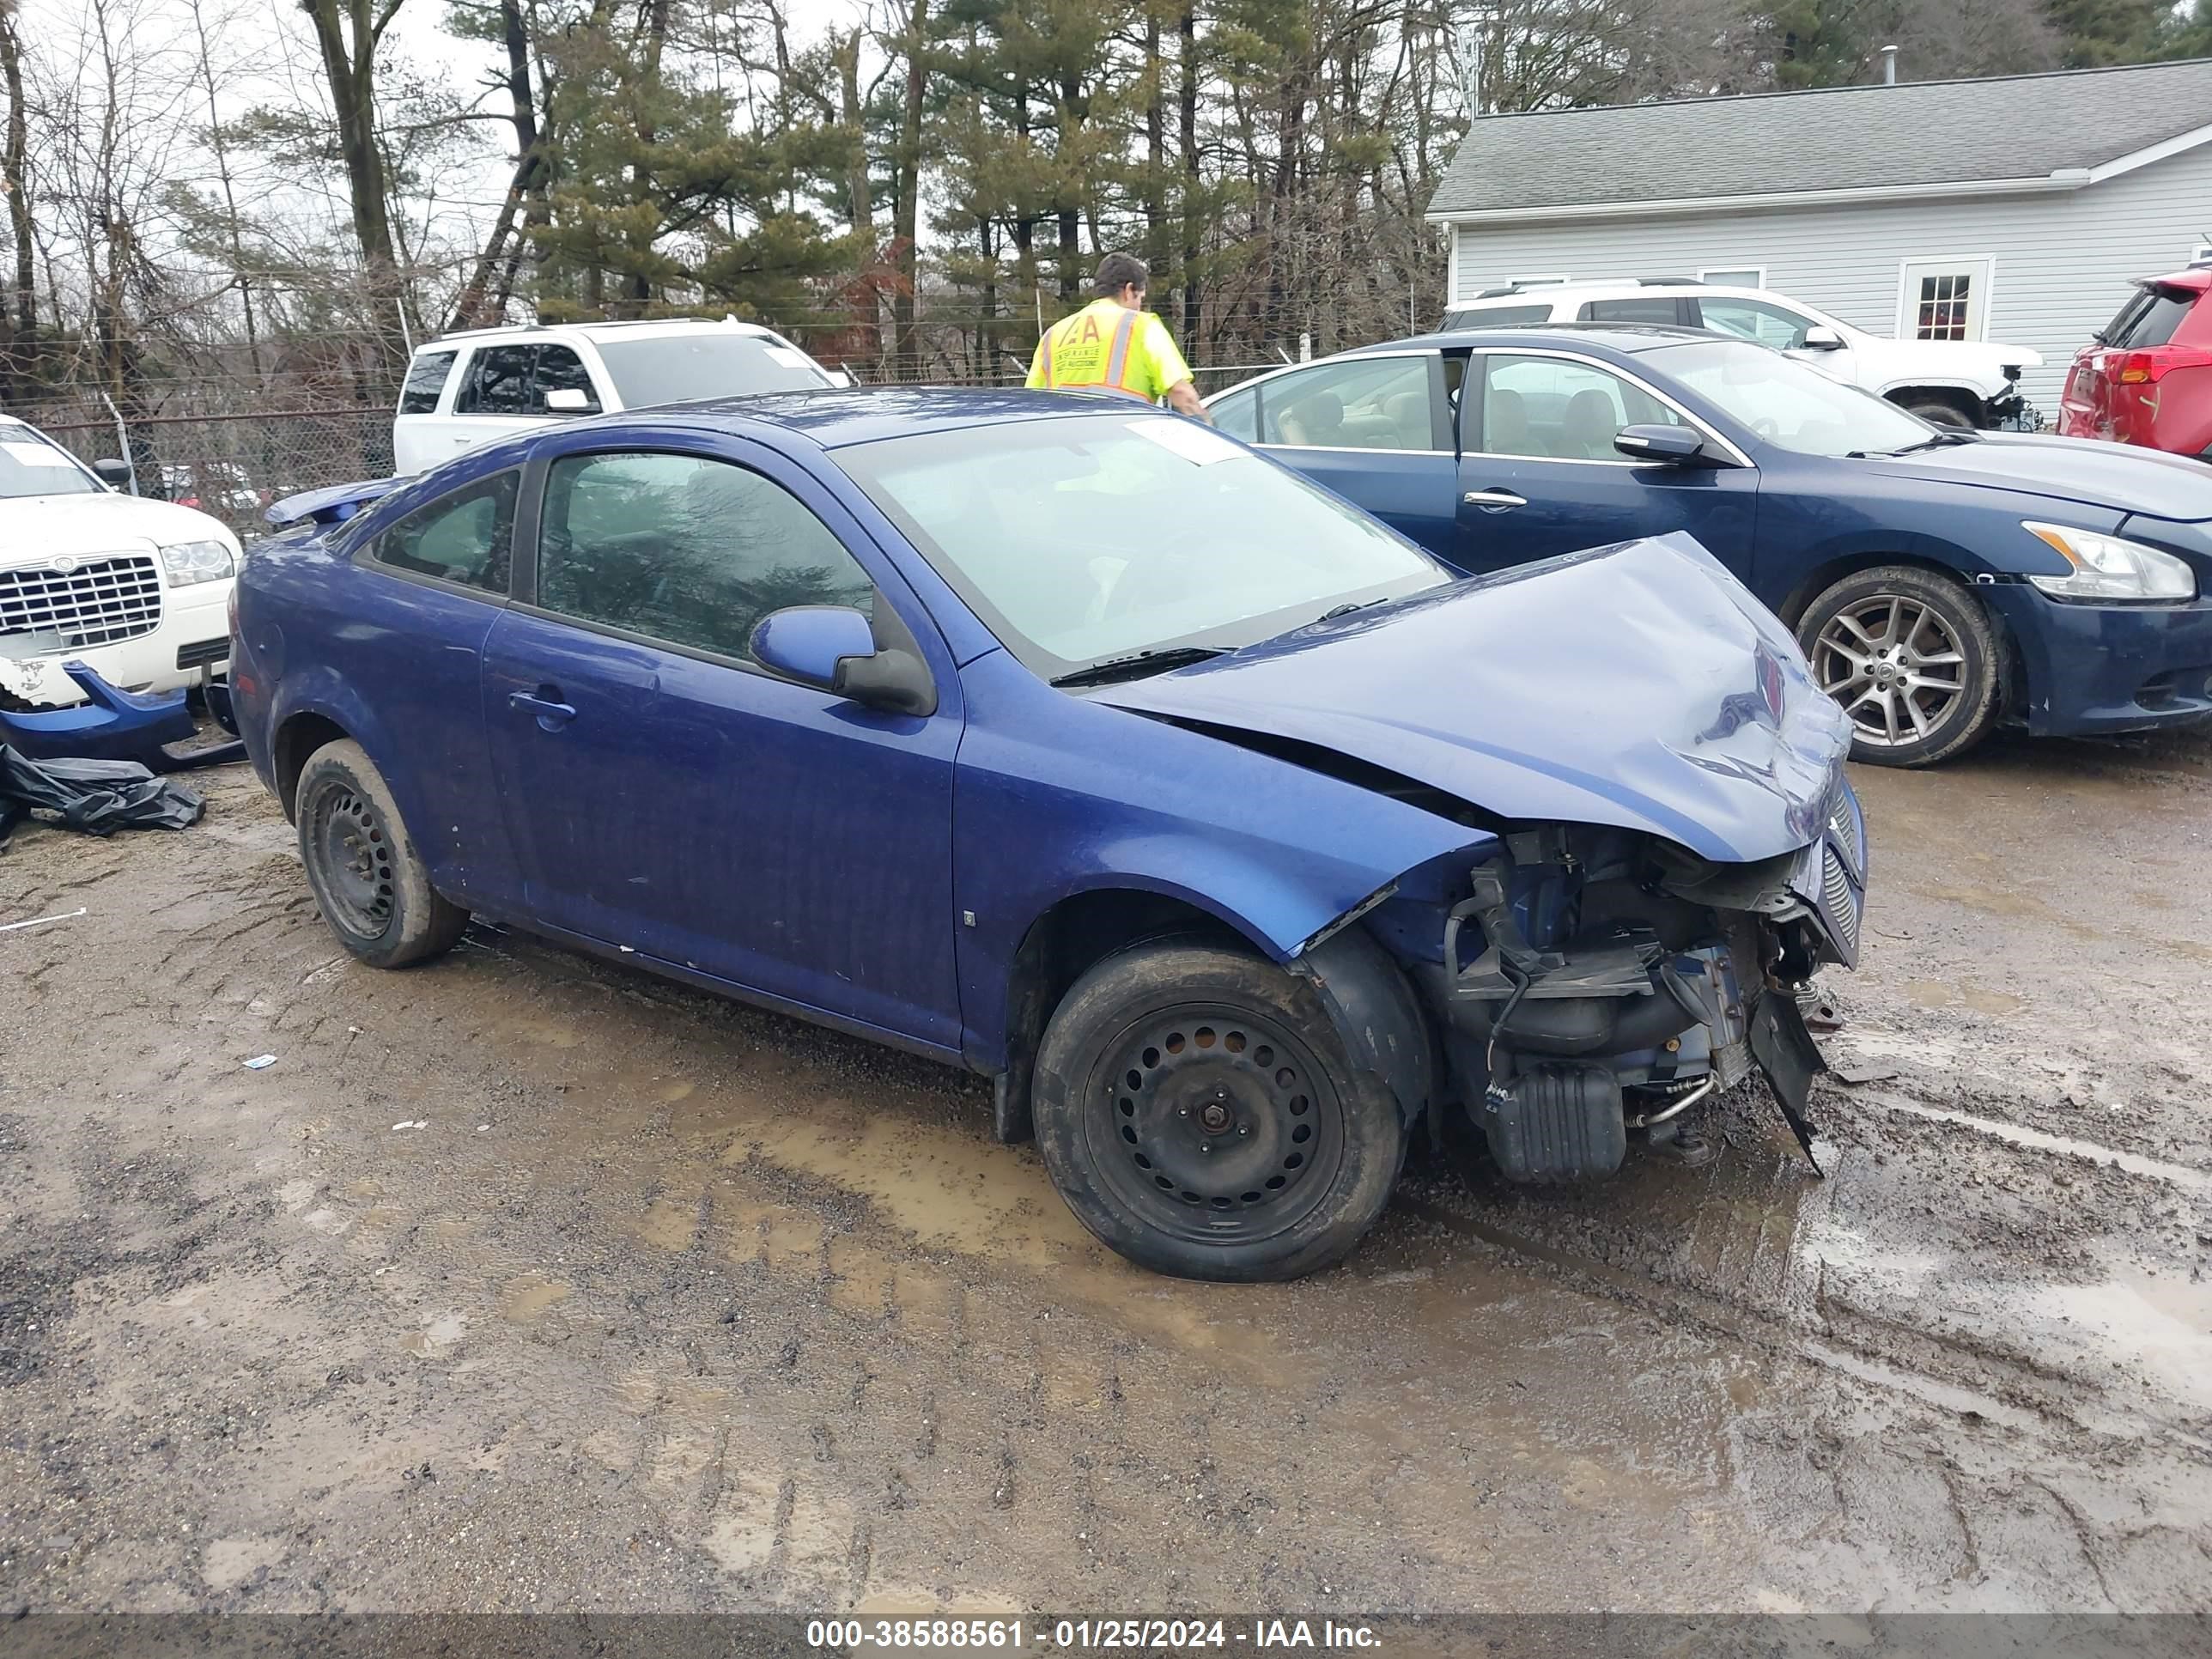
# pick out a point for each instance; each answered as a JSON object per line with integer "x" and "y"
{"x": 437, "y": 1338}
{"x": 530, "y": 1296}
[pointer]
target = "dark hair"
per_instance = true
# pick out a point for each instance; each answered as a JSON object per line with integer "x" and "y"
{"x": 1117, "y": 272}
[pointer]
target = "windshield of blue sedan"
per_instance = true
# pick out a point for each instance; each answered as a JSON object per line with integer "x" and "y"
{"x": 1084, "y": 541}
{"x": 1789, "y": 404}
{"x": 31, "y": 464}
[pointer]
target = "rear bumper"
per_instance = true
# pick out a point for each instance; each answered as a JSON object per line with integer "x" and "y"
{"x": 2108, "y": 668}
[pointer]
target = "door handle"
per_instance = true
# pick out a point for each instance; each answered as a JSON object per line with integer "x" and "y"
{"x": 1494, "y": 498}
{"x": 546, "y": 703}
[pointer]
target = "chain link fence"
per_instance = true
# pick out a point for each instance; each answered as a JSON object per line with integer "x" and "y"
{"x": 231, "y": 449}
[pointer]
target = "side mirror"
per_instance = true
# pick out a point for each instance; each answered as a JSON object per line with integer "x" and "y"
{"x": 1659, "y": 442}
{"x": 114, "y": 472}
{"x": 832, "y": 649}
{"x": 569, "y": 400}
{"x": 1821, "y": 339}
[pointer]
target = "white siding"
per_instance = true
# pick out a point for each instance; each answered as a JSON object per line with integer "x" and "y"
{"x": 2060, "y": 262}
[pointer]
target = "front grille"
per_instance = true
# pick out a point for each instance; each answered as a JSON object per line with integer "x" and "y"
{"x": 100, "y": 601}
{"x": 1837, "y": 899}
{"x": 207, "y": 651}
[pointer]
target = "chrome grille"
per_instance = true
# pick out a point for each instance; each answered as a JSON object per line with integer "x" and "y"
{"x": 102, "y": 600}
{"x": 1837, "y": 899}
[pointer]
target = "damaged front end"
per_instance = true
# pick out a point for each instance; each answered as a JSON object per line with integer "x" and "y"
{"x": 1588, "y": 981}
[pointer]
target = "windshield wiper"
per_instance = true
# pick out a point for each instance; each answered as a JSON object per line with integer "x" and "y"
{"x": 1346, "y": 609}
{"x": 1143, "y": 663}
{"x": 1933, "y": 440}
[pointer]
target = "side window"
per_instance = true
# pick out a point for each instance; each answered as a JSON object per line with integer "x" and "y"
{"x": 560, "y": 370}
{"x": 426, "y": 378}
{"x": 1561, "y": 408}
{"x": 1668, "y": 310}
{"x": 1362, "y": 402}
{"x": 1498, "y": 316}
{"x": 1238, "y": 416}
{"x": 500, "y": 382}
{"x": 467, "y": 536}
{"x": 691, "y": 551}
{"x": 1755, "y": 319}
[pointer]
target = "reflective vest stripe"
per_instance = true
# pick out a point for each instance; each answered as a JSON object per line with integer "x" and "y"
{"x": 1117, "y": 360}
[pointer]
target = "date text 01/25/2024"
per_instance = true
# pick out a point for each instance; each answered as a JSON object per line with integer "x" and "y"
{"x": 1089, "y": 1635}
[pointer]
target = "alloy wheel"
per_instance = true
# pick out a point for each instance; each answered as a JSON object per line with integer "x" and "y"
{"x": 1894, "y": 662}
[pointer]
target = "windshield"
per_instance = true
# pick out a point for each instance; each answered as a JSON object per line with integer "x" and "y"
{"x": 1787, "y": 405}
{"x": 672, "y": 368}
{"x": 1086, "y": 540}
{"x": 33, "y": 464}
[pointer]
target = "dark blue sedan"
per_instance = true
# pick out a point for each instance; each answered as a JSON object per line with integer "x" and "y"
{"x": 1076, "y": 745}
{"x": 1938, "y": 580}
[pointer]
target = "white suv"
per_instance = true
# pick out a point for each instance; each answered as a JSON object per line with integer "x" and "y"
{"x": 468, "y": 389}
{"x": 1962, "y": 383}
{"x": 138, "y": 590}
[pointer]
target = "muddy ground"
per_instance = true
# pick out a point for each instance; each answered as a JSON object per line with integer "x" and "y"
{"x": 666, "y": 1304}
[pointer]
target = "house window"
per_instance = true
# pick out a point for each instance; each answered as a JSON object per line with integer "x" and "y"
{"x": 1942, "y": 299}
{"x": 1735, "y": 276}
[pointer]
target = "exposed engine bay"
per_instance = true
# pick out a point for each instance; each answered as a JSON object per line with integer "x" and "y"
{"x": 1585, "y": 983}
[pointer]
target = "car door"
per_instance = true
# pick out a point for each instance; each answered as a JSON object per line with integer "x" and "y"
{"x": 498, "y": 396}
{"x": 1376, "y": 429}
{"x": 1783, "y": 327}
{"x": 421, "y": 436}
{"x": 667, "y": 795}
{"x": 1539, "y": 474}
{"x": 416, "y": 650}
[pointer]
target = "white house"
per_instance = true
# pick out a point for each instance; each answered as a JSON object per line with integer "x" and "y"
{"x": 2040, "y": 196}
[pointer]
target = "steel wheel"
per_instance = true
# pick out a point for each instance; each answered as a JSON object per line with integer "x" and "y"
{"x": 1215, "y": 1126}
{"x": 1894, "y": 664}
{"x": 353, "y": 855}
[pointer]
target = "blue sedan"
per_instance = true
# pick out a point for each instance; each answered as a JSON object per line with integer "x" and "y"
{"x": 1223, "y": 829}
{"x": 1939, "y": 580}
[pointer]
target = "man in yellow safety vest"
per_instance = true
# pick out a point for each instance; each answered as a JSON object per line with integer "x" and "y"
{"x": 1114, "y": 344}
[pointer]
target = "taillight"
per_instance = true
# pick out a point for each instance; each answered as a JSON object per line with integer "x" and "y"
{"x": 2153, "y": 363}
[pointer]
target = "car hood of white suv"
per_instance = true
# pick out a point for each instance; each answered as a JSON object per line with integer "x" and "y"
{"x": 36, "y": 529}
{"x": 1968, "y": 360}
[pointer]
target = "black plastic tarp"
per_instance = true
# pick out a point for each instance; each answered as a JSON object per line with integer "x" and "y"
{"x": 98, "y": 797}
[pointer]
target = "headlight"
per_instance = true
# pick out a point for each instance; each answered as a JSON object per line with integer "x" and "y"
{"x": 2110, "y": 568}
{"x": 198, "y": 561}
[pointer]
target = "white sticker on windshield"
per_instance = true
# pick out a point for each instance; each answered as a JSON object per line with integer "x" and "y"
{"x": 35, "y": 455}
{"x": 1188, "y": 440}
{"x": 787, "y": 357}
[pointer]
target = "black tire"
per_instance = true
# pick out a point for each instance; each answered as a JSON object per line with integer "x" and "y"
{"x": 1921, "y": 690}
{"x": 369, "y": 881}
{"x": 1954, "y": 413}
{"x": 1198, "y": 1111}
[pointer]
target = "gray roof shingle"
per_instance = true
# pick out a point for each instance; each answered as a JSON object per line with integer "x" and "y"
{"x": 1923, "y": 132}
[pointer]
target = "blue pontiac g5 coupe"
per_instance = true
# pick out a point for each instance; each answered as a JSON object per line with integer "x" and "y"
{"x": 1938, "y": 580}
{"x": 1080, "y": 746}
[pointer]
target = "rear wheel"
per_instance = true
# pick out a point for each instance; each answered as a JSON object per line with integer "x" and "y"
{"x": 1197, "y": 1111}
{"x": 371, "y": 884}
{"x": 1911, "y": 656}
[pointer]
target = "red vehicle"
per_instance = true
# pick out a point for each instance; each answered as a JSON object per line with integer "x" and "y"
{"x": 2146, "y": 378}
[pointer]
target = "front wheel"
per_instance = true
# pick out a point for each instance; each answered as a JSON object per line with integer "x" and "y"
{"x": 1198, "y": 1112}
{"x": 1911, "y": 656}
{"x": 1940, "y": 412}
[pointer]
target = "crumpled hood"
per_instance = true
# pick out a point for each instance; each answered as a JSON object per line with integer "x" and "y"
{"x": 2123, "y": 477}
{"x": 34, "y": 528}
{"x": 1638, "y": 685}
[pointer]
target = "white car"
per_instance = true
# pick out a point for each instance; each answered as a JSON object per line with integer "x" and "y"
{"x": 139, "y": 590}
{"x": 1958, "y": 383}
{"x": 468, "y": 389}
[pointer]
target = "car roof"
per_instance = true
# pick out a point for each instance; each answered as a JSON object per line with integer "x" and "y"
{"x": 837, "y": 417}
{"x": 1617, "y": 337}
{"x": 640, "y": 329}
